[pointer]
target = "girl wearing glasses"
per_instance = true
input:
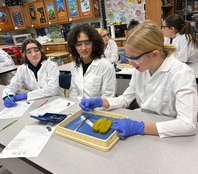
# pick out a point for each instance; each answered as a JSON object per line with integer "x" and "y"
{"x": 160, "y": 83}
{"x": 179, "y": 33}
{"x": 111, "y": 48}
{"x": 38, "y": 75}
{"x": 92, "y": 75}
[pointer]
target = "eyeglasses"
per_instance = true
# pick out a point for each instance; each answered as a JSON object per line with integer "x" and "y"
{"x": 136, "y": 59}
{"x": 86, "y": 43}
{"x": 163, "y": 27}
{"x": 29, "y": 51}
{"x": 105, "y": 35}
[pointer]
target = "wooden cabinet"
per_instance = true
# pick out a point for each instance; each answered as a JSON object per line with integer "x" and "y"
{"x": 26, "y": 16}
{"x": 33, "y": 17}
{"x": 154, "y": 11}
{"x": 51, "y": 11}
{"x": 5, "y": 19}
{"x": 51, "y": 48}
{"x": 41, "y": 13}
{"x": 89, "y": 8}
{"x": 17, "y": 16}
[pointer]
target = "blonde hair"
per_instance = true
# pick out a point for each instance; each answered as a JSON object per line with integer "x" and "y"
{"x": 100, "y": 30}
{"x": 147, "y": 36}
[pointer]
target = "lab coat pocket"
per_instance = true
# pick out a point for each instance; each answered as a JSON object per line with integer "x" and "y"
{"x": 93, "y": 83}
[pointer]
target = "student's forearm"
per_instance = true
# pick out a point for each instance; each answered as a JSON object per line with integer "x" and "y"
{"x": 150, "y": 129}
{"x": 105, "y": 103}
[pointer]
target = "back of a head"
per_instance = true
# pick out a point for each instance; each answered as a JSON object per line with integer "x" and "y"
{"x": 147, "y": 36}
{"x": 182, "y": 27}
{"x": 132, "y": 24}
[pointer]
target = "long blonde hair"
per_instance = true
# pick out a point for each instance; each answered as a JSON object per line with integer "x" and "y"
{"x": 147, "y": 36}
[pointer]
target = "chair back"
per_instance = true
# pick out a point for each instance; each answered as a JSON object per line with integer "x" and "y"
{"x": 65, "y": 81}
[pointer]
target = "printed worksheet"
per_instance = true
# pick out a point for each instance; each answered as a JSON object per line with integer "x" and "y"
{"x": 55, "y": 106}
{"x": 29, "y": 142}
{"x": 16, "y": 111}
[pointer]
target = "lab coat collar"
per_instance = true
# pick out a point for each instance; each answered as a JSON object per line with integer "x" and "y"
{"x": 166, "y": 65}
{"x": 95, "y": 62}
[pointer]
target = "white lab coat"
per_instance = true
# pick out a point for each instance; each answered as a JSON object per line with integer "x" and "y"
{"x": 98, "y": 81}
{"x": 170, "y": 91}
{"x": 6, "y": 60}
{"x": 111, "y": 51}
{"x": 185, "y": 53}
{"x": 47, "y": 84}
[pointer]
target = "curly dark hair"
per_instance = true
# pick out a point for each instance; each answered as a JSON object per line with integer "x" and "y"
{"x": 28, "y": 41}
{"x": 93, "y": 35}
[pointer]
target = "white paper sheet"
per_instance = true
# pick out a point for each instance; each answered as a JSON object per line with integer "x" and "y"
{"x": 126, "y": 71}
{"x": 16, "y": 111}
{"x": 29, "y": 142}
{"x": 55, "y": 106}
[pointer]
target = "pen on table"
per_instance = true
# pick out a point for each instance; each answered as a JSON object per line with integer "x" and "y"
{"x": 8, "y": 96}
{"x": 8, "y": 125}
{"x": 43, "y": 103}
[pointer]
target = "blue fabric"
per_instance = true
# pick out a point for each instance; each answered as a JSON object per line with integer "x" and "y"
{"x": 9, "y": 103}
{"x": 115, "y": 66}
{"x": 19, "y": 97}
{"x": 90, "y": 104}
{"x": 128, "y": 127}
{"x": 65, "y": 81}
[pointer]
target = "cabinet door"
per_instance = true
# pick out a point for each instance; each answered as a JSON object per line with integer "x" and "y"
{"x": 73, "y": 9}
{"x": 26, "y": 15}
{"x": 5, "y": 19}
{"x": 51, "y": 11}
{"x": 41, "y": 13}
{"x": 89, "y": 8}
{"x": 33, "y": 15}
{"x": 17, "y": 17}
{"x": 61, "y": 11}
{"x": 153, "y": 11}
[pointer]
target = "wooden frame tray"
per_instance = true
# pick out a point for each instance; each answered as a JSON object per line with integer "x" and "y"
{"x": 85, "y": 134}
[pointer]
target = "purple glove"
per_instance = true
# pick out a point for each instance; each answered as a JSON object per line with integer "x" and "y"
{"x": 9, "y": 103}
{"x": 90, "y": 104}
{"x": 20, "y": 97}
{"x": 128, "y": 127}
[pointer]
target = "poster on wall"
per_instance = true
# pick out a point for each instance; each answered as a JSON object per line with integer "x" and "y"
{"x": 124, "y": 11}
{"x": 3, "y": 18}
{"x": 85, "y": 7}
{"x": 50, "y": 11}
{"x": 73, "y": 10}
{"x": 60, "y": 7}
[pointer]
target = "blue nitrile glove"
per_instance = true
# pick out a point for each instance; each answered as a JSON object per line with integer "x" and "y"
{"x": 8, "y": 103}
{"x": 115, "y": 66}
{"x": 20, "y": 97}
{"x": 90, "y": 104}
{"x": 124, "y": 60}
{"x": 128, "y": 127}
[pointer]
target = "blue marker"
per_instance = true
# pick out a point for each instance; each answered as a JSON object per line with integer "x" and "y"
{"x": 8, "y": 96}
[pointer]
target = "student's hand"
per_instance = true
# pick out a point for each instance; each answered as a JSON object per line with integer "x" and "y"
{"x": 20, "y": 97}
{"x": 127, "y": 127}
{"x": 9, "y": 103}
{"x": 90, "y": 104}
{"x": 124, "y": 60}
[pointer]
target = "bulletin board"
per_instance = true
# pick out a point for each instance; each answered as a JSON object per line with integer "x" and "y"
{"x": 124, "y": 11}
